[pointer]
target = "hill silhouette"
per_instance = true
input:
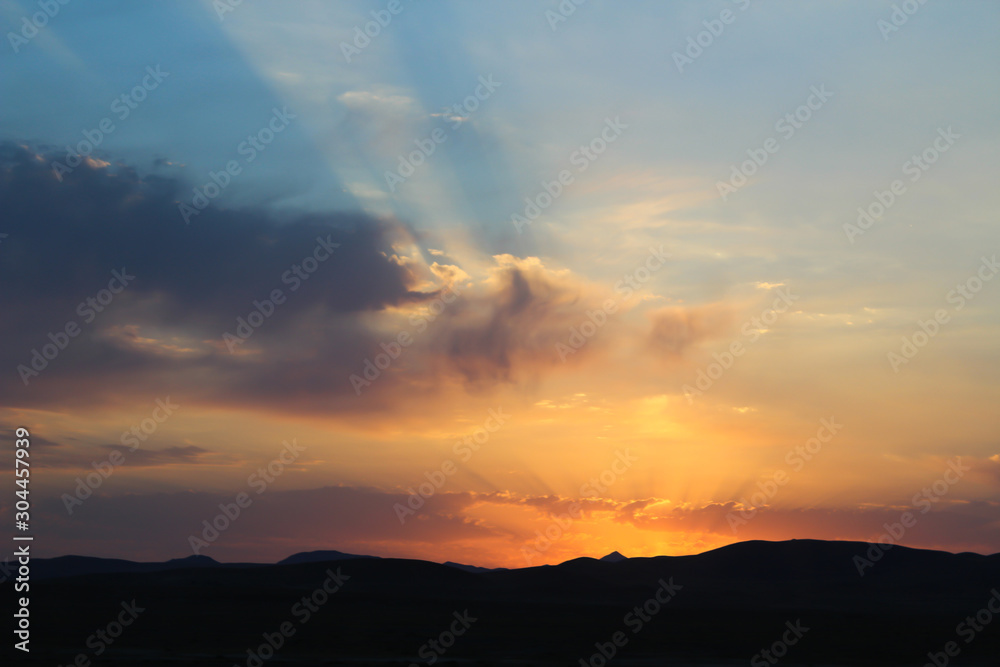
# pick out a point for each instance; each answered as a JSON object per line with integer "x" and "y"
{"x": 68, "y": 566}
{"x": 729, "y": 604}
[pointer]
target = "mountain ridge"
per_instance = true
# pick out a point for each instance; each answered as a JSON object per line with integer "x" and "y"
{"x": 750, "y": 550}
{"x": 749, "y": 589}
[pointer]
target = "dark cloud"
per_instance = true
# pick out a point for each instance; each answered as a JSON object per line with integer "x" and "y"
{"x": 192, "y": 282}
{"x": 65, "y": 238}
{"x": 674, "y": 330}
{"x": 57, "y": 455}
{"x": 163, "y": 334}
{"x": 511, "y": 332}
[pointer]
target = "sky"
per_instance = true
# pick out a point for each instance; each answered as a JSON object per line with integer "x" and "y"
{"x": 499, "y": 283}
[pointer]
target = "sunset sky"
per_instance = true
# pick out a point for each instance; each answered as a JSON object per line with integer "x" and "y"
{"x": 605, "y": 266}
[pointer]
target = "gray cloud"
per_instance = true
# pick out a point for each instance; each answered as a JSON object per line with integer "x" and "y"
{"x": 191, "y": 284}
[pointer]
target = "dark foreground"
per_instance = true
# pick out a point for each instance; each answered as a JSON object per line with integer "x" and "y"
{"x": 802, "y": 601}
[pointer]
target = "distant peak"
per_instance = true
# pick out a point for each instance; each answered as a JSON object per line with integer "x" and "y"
{"x": 613, "y": 557}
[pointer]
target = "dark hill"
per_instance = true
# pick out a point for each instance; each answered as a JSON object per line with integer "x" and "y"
{"x": 71, "y": 566}
{"x": 732, "y": 603}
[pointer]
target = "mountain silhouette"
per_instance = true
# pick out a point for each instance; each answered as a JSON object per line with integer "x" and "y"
{"x": 69, "y": 566}
{"x": 729, "y": 604}
{"x": 470, "y": 568}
